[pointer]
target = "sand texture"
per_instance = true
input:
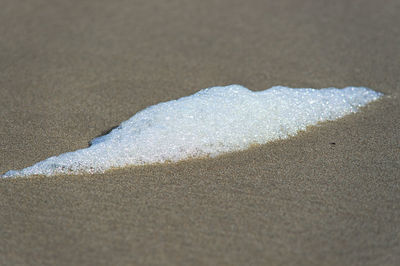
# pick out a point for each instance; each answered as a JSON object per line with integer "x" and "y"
{"x": 71, "y": 70}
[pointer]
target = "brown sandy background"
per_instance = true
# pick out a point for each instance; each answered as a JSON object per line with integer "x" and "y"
{"x": 70, "y": 70}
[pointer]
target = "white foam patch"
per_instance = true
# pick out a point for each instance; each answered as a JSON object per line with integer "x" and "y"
{"x": 211, "y": 122}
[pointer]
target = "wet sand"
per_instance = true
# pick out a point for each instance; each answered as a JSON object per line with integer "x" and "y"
{"x": 70, "y": 70}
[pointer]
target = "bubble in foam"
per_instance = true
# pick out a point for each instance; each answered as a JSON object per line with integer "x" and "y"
{"x": 211, "y": 122}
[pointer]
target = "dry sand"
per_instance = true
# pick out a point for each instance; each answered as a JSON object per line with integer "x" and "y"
{"x": 70, "y": 70}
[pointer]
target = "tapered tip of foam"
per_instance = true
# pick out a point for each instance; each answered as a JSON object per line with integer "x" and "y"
{"x": 211, "y": 122}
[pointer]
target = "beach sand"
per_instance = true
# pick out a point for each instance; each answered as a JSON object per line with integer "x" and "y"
{"x": 71, "y": 70}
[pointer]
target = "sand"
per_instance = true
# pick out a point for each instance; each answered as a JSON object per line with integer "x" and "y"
{"x": 71, "y": 70}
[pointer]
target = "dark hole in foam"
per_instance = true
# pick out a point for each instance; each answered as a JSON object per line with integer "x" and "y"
{"x": 103, "y": 133}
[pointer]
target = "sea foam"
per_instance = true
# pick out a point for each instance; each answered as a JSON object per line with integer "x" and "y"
{"x": 208, "y": 123}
